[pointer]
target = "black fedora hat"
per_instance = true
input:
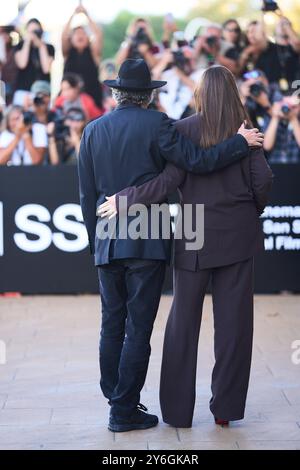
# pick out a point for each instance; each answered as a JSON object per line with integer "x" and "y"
{"x": 134, "y": 74}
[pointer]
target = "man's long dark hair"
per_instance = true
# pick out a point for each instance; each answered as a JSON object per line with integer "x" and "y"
{"x": 218, "y": 101}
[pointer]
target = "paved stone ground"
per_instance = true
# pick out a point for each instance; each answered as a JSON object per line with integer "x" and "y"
{"x": 49, "y": 395}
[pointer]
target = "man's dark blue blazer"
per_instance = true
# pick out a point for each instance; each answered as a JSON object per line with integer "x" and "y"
{"x": 128, "y": 147}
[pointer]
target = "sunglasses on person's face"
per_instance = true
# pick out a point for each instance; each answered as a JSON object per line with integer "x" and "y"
{"x": 233, "y": 30}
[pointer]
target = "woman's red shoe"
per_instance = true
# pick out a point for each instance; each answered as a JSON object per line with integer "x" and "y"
{"x": 221, "y": 422}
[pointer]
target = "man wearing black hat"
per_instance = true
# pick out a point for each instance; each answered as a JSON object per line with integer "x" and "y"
{"x": 128, "y": 147}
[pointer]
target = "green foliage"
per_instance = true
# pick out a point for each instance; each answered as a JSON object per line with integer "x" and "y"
{"x": 220, "y": 10}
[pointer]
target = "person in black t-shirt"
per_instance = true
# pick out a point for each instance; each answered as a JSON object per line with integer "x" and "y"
{"x": 82, "y": 54}
{"x": 64, "y": 137}
{"x": 280, "y": 60}
{"x": 33, "y": 57}
{"x": 256, "y": 45}
{"x": 288, "y": 50}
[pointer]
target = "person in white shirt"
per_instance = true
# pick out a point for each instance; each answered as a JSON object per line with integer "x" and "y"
{"x": 176, "y": 98}
{"x": 22, "y": 143}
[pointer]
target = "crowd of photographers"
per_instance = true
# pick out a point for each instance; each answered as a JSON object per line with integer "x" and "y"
{"x": 36, "y": 129}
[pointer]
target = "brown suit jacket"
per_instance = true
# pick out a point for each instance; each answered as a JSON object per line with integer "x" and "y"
{"x": 233, "y": 199}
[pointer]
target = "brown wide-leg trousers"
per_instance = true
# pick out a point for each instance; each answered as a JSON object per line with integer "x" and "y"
{"x": 232, "y": 295}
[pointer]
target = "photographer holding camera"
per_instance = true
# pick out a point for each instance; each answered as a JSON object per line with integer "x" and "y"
{"x": 277, "y": 116}
{"x": 72, "y": 96}
{"x": 139, "y": 44}
{"x": 279, "y": 61}
{"x": 212, "y": 49}
{"x": 64, "y": 137}
{"x": 258, "y": 96}
{"x": 33, "y": 58}
{"x": 177, "y": 67}
{"x": 22, "y": 142}
{"x": 82, "y": 52}
{"x": 288, "y": 50}
{"x": 256, "y": 46}
{"x": 282, "y": 131}
{"x": 234, "y": 36}
{"x": 40, "y": 103}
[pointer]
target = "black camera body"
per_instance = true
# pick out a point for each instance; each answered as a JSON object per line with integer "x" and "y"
{"x": 38, "y": 100}
{"x": 285, "y": 109}
{"x": 61, "y": 131}
{"x": 211, "y": 41}
{"x": 179, "y": 60}
{"x": 269, "y": 5}
{"x": 28, "y": 118}
{"x": 38, "y": 33}
{"x": 256, "y": 89}
{"x": 142, "y": 37}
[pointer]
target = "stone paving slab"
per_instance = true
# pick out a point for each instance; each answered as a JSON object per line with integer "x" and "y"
{"x": 49, "y": 387}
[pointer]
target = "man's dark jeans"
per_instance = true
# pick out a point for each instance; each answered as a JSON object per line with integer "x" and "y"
{"x": 130, "y": 291}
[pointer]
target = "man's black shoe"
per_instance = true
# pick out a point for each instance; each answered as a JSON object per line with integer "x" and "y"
{"x": 137, "y": 421}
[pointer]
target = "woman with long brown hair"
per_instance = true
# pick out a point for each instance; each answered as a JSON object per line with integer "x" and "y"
{"x": 233, "y": 199}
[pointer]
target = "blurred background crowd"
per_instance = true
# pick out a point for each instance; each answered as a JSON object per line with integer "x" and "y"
{"x": 41, "y": 125}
